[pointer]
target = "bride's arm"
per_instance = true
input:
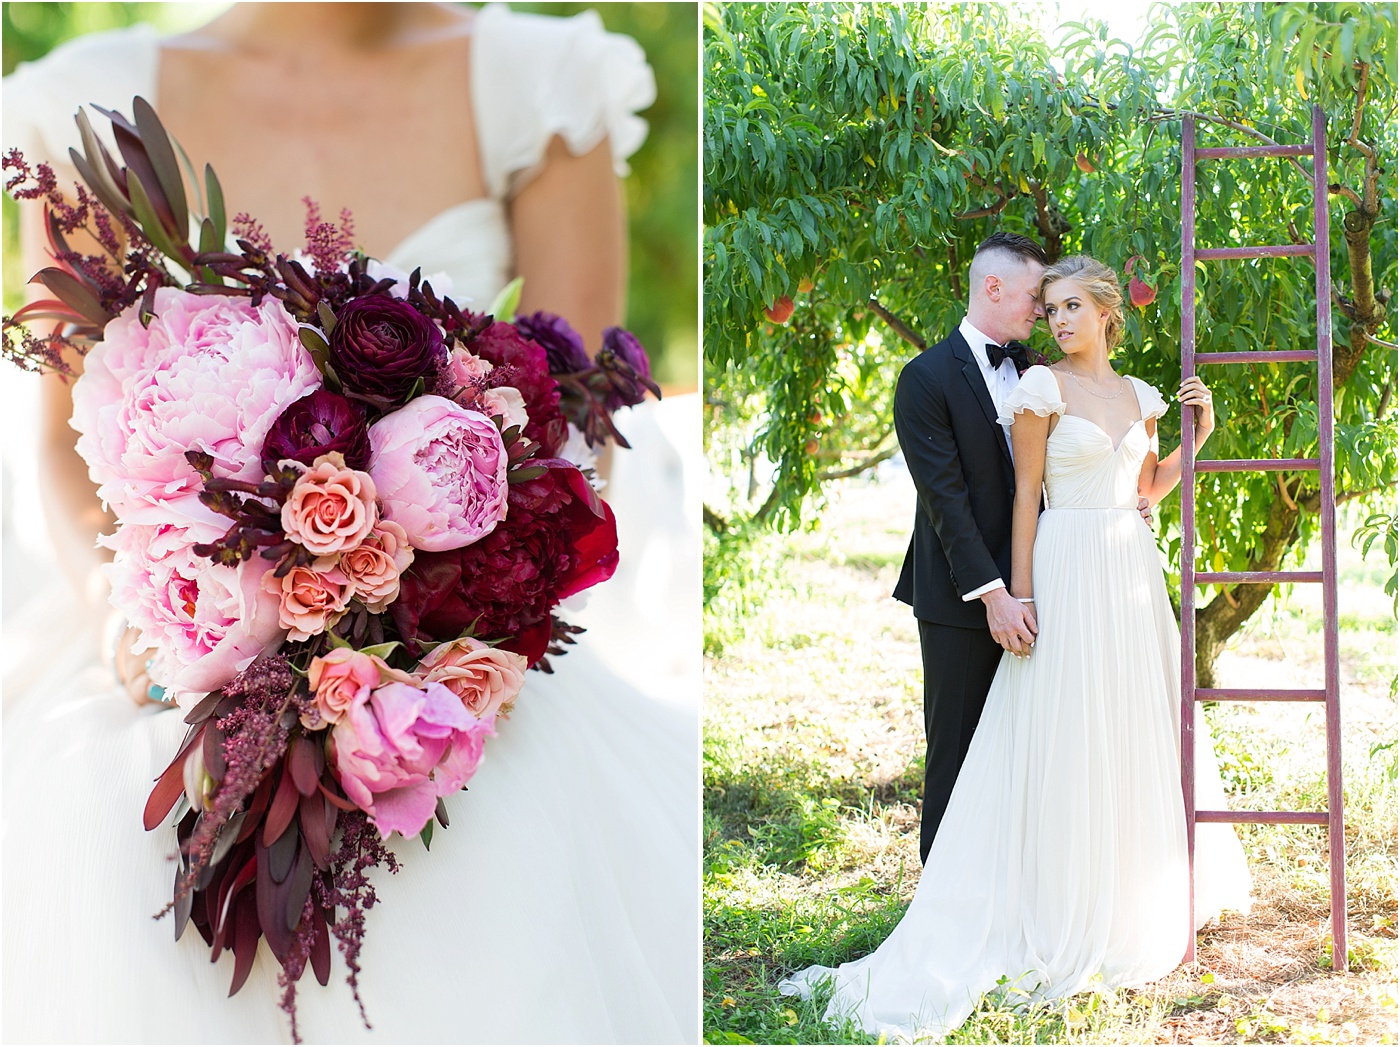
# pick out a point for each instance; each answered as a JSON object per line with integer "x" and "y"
{"x": 1029, "y": 433}
{"x": 1159, "y": 478}
{"x": 73, "y": 512}
{"x": 570, "y": 237}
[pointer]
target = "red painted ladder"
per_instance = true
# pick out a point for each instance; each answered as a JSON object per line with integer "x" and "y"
{"x": 1332, "y": 817}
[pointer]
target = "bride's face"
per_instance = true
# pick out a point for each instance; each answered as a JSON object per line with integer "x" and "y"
{"x": 1076, "y": 321}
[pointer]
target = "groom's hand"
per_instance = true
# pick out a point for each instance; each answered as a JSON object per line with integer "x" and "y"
{"x": 1012, "y": 623}
{"x": 1146, "y": 510}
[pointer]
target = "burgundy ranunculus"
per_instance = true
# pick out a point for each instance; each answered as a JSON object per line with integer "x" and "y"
{"x": 623, "y": 360}
{"x": 557, "y": 539}
{"x": 381, "y": 345}
{"x": 317, "y": 424}
{"x": 562, "y": 344}
{"x": 523, "y": 364}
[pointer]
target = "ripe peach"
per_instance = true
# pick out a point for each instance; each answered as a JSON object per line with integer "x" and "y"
{"x": 780, "y": 311}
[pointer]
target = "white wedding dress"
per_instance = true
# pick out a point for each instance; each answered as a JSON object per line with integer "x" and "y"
{"x": 1062, "y": 854}
{"x": 562, "y": 905}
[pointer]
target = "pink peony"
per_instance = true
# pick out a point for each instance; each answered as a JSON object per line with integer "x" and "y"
{"x": 210, "y": 373}
{"x": 402, "y": 747}
{"x": 331, "y": 508}
{"x": 208, "y": 621}
{"x": 373, "y": 567}
{"x": 310, "y": 599}
{"x": 440, "y": 471}
{"x": 486, "y": 678}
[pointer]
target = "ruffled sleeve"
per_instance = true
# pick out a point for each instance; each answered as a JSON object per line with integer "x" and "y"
{"x": 42, "y": 97}
{"x": 536, "y": 76}
{"x": 1038, "y": 391}
{"x": 1152, "y": 405}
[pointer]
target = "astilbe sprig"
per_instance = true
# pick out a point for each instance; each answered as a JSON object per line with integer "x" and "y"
{"x": 361, "y": 849}
{"x": 266, "y": 703}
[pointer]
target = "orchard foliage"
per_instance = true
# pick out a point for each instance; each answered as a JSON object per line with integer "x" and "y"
{"x": 856, "y": 154}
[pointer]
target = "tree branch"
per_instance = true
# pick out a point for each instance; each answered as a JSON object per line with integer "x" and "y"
{"x": 1384, "y": 345}
{"x": 897, "y": 325}
{"x": 713, "y": 520}
{"x": 860, "y": 467}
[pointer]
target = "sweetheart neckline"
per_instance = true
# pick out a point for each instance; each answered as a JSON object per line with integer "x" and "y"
{"x": 1089, "y": 421}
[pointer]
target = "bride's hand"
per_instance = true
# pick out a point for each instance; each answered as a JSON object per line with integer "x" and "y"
{"x": 1193, "y": 393}
{"x": 132, "y": 669}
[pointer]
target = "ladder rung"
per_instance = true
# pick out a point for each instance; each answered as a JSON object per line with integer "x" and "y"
{"x": 1256, "y": 465}
{"x": 1246, "y": 577}
{"x": 1281, "y": 356}
{"x": 1258, "y": 694}
{"x": 1275, "y": 251}
{"x": 1265, "y": 817}
{"x": 1254, "y": 150}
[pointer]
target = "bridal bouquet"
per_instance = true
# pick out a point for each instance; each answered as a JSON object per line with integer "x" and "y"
{"x": 347, "y": 511}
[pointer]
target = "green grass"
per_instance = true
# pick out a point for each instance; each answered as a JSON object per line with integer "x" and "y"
{"x": 813, "y": 767}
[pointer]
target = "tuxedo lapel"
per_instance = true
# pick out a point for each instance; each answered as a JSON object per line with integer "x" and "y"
{"x": 973, "y": 373}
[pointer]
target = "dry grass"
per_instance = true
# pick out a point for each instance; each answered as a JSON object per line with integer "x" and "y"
{"x": 817, "y": 699}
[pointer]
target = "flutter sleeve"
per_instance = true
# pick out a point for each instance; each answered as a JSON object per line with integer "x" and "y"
{"x": 1153, "y": 406}
{"x": 41, "y": 97}
{"x": 1038, "y": 391}
{"x": 537, "y": 76}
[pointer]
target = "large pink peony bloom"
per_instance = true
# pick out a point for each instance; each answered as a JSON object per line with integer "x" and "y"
{"x": 440, "y": 471}
{"x": 402, "y": 747}
{"x": 208, "y": 621}
{"x": 210, "y": 373}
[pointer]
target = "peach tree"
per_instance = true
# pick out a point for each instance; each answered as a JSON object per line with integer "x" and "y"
{"x": 856, "y": 154}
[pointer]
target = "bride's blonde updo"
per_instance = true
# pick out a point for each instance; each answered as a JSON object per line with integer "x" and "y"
{"x": 1100, "y": 282}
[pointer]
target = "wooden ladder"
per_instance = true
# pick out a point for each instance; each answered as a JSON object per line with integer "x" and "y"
{"x": 1318, "y": 251}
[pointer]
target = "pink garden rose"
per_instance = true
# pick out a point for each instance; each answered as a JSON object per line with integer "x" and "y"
{"x": 465, "y": 369}
{"x": 440, "y": 471}
{"x": 210, "y": 373}
{"x": 331, "y": 508}
{"x": 401, "y": 748}
{"x": 506, "y": 403}
{"x": 373, "y": 567}
{"x": 208, "y": 622}
{"x": 310, "y": 599}
{"x": 486, "y": 678}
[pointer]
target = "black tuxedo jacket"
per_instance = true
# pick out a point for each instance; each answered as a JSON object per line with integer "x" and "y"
{"x": 962, "y": 470}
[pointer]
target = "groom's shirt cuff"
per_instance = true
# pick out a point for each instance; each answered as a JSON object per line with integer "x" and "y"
{"x": 996, "y": 583}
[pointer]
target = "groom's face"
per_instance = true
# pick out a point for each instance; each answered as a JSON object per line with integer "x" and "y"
{"x": 1020, "y": 306}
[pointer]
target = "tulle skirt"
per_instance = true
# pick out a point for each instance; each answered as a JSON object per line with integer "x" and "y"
{"x": 1062, "y": 854}
{"x": 561, "y": 906}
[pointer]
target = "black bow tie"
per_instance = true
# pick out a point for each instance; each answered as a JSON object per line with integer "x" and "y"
{"x": 1017, "y": 351}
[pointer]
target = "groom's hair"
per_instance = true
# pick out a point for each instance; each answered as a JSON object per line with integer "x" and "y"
{"x": 1012, "y": 244}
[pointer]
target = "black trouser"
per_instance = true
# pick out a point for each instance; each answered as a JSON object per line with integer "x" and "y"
{"x": 958, "y": 668}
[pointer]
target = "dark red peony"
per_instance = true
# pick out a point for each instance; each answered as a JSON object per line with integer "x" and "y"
{"x": 317, "y": 424}
{"x": 521, "y": 363}
{"x": 381, "y": 346}
{"x": 557, "y": 539}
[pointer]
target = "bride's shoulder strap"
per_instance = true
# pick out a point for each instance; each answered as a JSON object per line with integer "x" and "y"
{"x": 1149, "y": 399}
{"x": 41, "y": 97}
{"x": 1038, "y": 392}
{"x": 538, "y": 76}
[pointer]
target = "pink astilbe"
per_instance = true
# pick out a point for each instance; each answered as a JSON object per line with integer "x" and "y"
{"x": 294, "y": 965}
{"x": 255, "y": 733}
{"x": 246, "y": 227}
{"x": 328, "y": 245}
{"x": 360, "y": 850}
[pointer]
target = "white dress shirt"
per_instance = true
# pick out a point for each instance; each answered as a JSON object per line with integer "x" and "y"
{"x": 1000, "y": 381}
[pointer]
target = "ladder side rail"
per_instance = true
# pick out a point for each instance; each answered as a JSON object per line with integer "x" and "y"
{"x": 1336, "y": 836}
{"x": 1188, "y": 519}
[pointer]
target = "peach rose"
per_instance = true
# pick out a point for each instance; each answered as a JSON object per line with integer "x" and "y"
{"x": 341, "y": 679}
{"x": 311, "y": 600}
{"x": 373, "y": 567}
{"x": 486, "y": 678}
{"x": 331, "y": 508}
